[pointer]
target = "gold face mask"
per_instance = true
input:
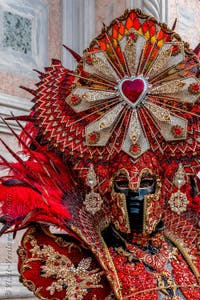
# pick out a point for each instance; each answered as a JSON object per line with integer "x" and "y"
{"x": 137, "y": 209}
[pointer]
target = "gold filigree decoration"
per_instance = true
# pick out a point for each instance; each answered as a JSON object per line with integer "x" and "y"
{"x": 130, "y": 52}
{"x": 151, "y": 202}
{"x": 178, "y": 201}
{"x": 165, "y": 284}
{"x": 31, "y": 286}
{"x": 104, "y": 126}
{"x": 82, "y": 98}
{"x": 74, "y": 280}
{"x": 132, "y": 45}
{"x": 119, "y": 212}
{"x": 171, "y": 87}
{"x": 184, "y": 251}
{"x": 179, "y": 178}
{"x": 100, "y": 65}
{"x": 110, "y": 297}
{"x": 160, "y": 113}
{"x": 161, "y": 61}
{"x": 93, "y": 201}
{"x": 116, "y": 55}
{"x": 134, "y": 128}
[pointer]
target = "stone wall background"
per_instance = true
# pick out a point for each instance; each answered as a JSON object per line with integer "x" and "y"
{"x": 31, "y": 35}
{"x": 188, "y": 22}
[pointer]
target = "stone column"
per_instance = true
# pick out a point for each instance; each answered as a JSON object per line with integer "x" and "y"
{"x": 156, "y": 8}
{"x": 188, "y": 22}
{"x": 78, "y": 27}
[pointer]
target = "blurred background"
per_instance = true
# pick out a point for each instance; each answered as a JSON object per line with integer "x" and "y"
{"x": 31, "y": 34}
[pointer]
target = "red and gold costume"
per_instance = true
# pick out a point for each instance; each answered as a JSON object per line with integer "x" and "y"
{"x": 112, "y": 158}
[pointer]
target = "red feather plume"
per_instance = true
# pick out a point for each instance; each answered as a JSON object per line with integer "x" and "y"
{"x": 33, "y": 190}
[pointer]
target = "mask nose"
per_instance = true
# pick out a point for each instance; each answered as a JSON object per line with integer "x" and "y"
{"x": 135, "y": 202}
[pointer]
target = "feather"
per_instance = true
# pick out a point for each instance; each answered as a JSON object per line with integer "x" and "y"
{"x": 73, "y": 53}
{"x": 21, "y": 118}
{"x": 197, "y": 50}
{"x": 15, "y": 172}
{"x": 25, "y": 135}
{"x": 25, "y": 166}
{"x": 41, "y": 74}
{"x": 14, "y": 182}
{"x": 174, "y": 24}
{"x": 21, "y": 205}
{"x": 31, "y": 91}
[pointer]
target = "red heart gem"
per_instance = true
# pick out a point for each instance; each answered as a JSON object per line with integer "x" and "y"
{"x": 132, "y": 89}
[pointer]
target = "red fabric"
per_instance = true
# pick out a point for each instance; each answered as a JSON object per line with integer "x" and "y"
{"x": 70, "y": 249}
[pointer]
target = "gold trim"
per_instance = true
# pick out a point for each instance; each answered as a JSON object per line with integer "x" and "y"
{"x": 185, "y": 254}
{"x": 148, "y": 199}
{"x": 113, "y": 279}
{"x": 31, "y": 286}
{"x": 161, "y": 288}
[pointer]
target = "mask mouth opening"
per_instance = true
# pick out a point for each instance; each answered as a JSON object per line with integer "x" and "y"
{"x": 135, "y": 198}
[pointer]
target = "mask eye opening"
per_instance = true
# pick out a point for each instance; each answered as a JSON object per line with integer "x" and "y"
{"x": 121, "y": 182}
{"x": 147, "y": 180}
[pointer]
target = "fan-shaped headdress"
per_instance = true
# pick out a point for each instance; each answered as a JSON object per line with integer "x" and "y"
{"x": 135, "y": 89}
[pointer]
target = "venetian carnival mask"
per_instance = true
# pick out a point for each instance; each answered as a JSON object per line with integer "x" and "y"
{"x": 129, "y": 108}
{"x": 136, "y": 202}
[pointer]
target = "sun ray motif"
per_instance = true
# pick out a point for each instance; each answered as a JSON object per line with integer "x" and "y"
{"x": 135, "y": 90}
{"x": 172, "y": 108}
{"x": 131, "y": 90}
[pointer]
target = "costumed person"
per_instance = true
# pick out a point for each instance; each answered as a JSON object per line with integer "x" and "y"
{"x": 112, "y": 158}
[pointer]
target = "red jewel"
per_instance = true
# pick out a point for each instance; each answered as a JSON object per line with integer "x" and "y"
{"x": 194, "y": 88}
{"x": 177, "y": 131}
{"x": 89, "y": 60}
{"x": 75, "y": 100}
{"x": 132, "y": 36}
{"x": 132, "y": 89}
{"x": 175, "y": 50}
{"x": 93, "y": 137}
{"x": 135, "y": 149}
